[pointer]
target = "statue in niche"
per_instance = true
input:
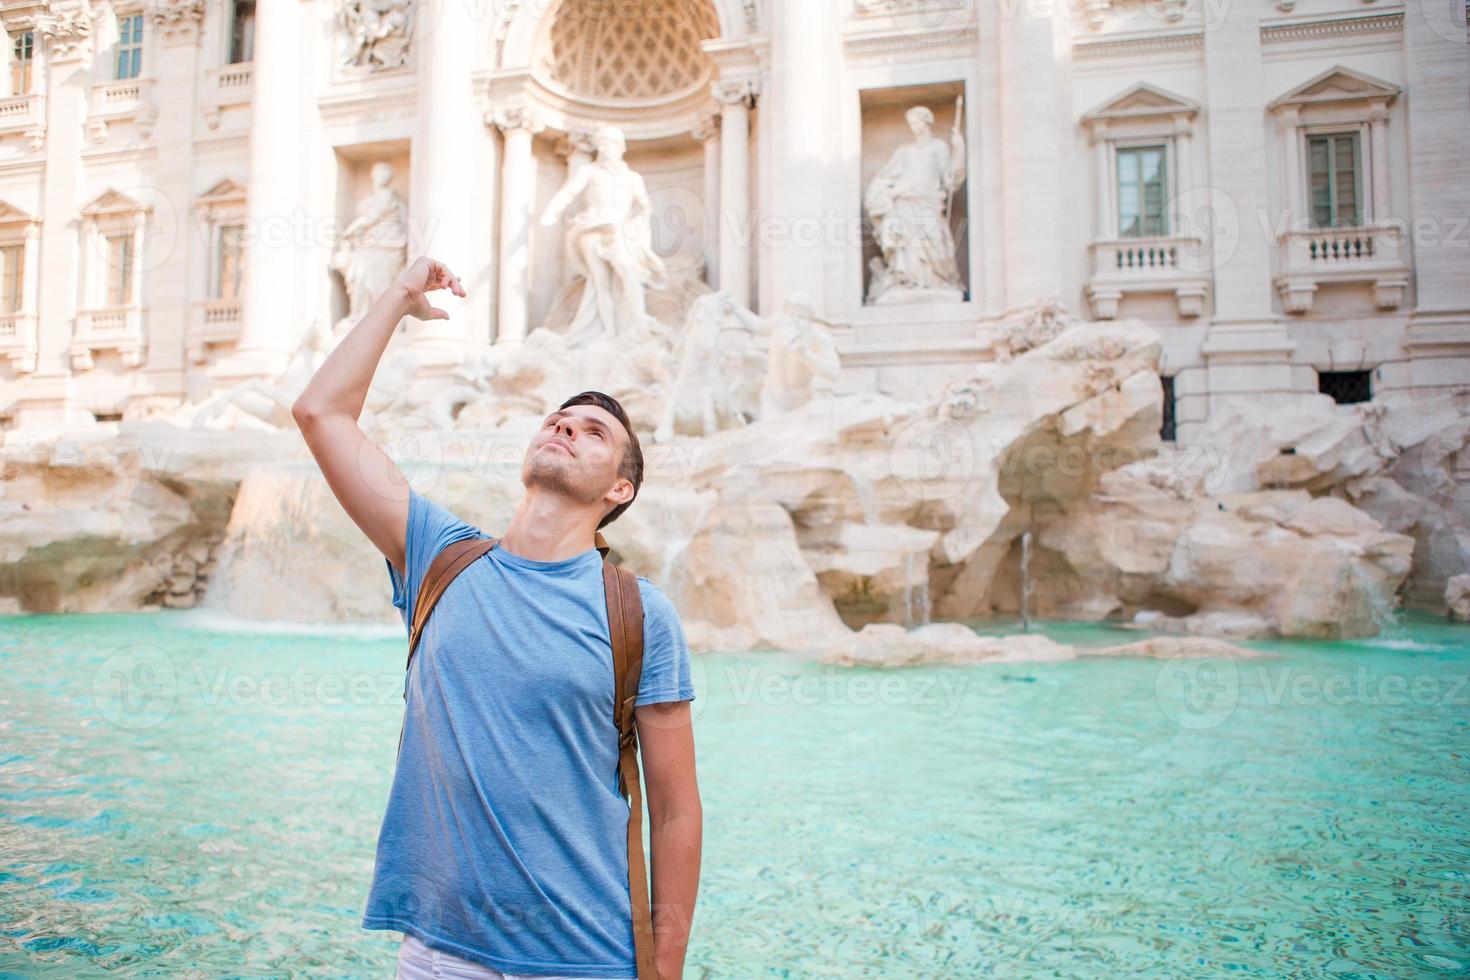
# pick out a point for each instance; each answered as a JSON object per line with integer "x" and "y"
{"x": 373, "y": 248}
{"x": 609, "y": 242}
{"x": 802, "y": 363}
{"x": 909, "y": 204}
{"x": 377, "y": 32}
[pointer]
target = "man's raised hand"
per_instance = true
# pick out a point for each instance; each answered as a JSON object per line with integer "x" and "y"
{"x": 423, "y": 277}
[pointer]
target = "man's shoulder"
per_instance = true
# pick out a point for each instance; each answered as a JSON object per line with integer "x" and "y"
{"x": 656, "y": 604}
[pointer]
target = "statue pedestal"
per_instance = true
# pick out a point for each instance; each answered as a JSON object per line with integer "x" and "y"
{"x": 900, "y": 295}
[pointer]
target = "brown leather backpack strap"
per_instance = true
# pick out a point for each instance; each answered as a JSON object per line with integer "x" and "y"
{"x": 625, "y": 624}
{"x": 448, "y": 563}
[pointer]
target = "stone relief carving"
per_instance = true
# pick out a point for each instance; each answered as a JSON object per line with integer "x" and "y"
{"x": 609, "y": 242}
{"x": 269, "y": 401}
{"x": 377, "y": 33}
{"x": 802, "y": 363}
{"x": 909, "y": 203}
{"x": 373, "y": 248}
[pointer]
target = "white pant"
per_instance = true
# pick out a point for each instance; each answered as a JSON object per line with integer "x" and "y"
{"x": 418, "y": 962}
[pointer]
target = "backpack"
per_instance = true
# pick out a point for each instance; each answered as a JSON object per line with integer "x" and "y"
{"x": 625, "y": 620}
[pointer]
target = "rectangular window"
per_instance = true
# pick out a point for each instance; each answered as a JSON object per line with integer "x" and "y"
{"x": 228, "y": 267}
{"x": 1166, "y": 431}
{"x": 1334, "y": 164}
{"x": 22, "y": 55}
{"x": 119, "y": 270}
{"x": 242, "y": 31}
{"x": 128, "y": 58}
{"x": 12, "y": 277}
{"x": 1142, "y": 192}
{"x": 1346, "y": 387}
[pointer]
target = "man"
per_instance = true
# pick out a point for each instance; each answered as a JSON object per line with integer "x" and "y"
{"x": 504, "y": 844}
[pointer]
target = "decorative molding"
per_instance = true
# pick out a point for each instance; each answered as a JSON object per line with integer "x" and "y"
{"x": 1129, "y": 47}
{"x": 369, "y": 106}
{"x": 872, "y": 44}
{"x": 1337, "y": 27}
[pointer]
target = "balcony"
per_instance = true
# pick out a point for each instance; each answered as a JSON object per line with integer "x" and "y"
{"x": 213, "y": 321}
{"x": 1312, "y": 257}
{"x": 227, "y": 86}
{"x": 118, "y": 328}
{"x": 128, "y": 99}
{"x": 24, "y": 114}
{"x": 1148, "y": 265}
{"x": 18, "y": 340}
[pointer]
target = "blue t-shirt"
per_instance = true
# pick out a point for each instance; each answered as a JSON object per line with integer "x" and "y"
{"x": 505, "y": 837}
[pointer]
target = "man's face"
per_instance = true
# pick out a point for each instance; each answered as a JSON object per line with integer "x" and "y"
{"x": 576, "y": 453}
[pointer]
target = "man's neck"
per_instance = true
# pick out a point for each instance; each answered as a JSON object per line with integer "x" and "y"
{"x": 546, "y": 528}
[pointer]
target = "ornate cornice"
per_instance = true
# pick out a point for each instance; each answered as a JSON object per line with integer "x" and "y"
{"x": 1126, "y": 47}
{"x": 1338, "y": 27}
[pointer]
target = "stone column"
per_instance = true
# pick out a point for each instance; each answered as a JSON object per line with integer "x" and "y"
{"x": 520, "y": 124}
{"x": 1287, "y": 121}
{"x": 444, "y": 163}
{"x": 1437, "y": 75}
{"x": 707, "y": 131}
{"x": 736, "y": 223}
{"x": 1030, "y": 157}
{"x": 1246, "y": 349}
{"x": 269, "y": 327}
{"x": 64, "y": 30}
{"x": 1102, "y": 152}
{"x": 174, "y": 65}
{"x": 806, "y": 61}
{"x": 1382, "y": 208}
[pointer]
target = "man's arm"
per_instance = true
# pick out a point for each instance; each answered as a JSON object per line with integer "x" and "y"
{"x": 676, "y": 822}
{"x": 365, "y": 480}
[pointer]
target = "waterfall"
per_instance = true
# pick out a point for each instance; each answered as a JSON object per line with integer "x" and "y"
{"x": 1026, "y": 581}
{"x": 916, "y": 605}
{"x": 867, "y": 498}
{"x": 1382, "y": 607}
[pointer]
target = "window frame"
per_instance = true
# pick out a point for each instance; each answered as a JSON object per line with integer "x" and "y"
{"x": 26, "y": 66}
{"x": 1359, "y": 137}
{"x": 1132, "y": 145}
{"x": 133, "y": 46}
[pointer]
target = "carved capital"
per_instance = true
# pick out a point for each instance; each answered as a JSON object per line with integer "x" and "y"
{"x": 67, "y": 27}
{"x": 516, "y": 117}
{"x": 735, "y": 91}
{"x": 706, "y": 126}
{"x": 178, "y": 21}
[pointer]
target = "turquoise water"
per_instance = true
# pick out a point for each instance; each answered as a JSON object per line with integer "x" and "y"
{"x": 177, "y": 799}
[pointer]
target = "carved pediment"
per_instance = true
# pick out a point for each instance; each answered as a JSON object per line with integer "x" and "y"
{"x": 1338, "y": 84}
{"x": 1142, "y": 101}
{"x": 113, "y": 202}
{"x": 226, "y": 191}
{"x": 12, "y": 215}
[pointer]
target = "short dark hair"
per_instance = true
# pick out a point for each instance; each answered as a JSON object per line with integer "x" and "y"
{"x": 631, "y": 465}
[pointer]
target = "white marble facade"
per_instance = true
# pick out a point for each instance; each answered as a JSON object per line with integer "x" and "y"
{"x": 1280, "y": 187}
